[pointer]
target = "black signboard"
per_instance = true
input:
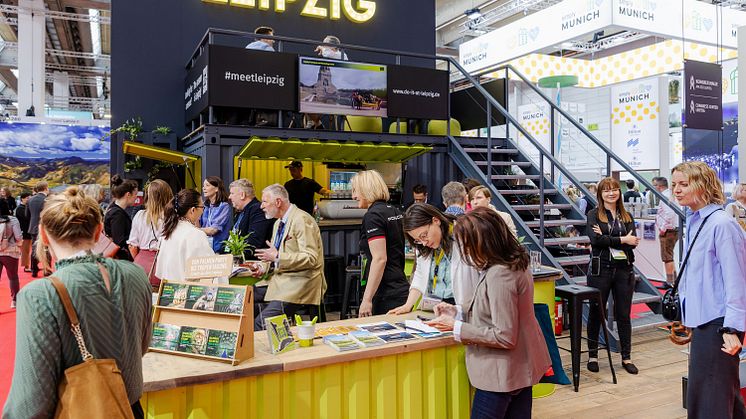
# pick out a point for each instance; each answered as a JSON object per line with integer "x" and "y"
{"x": 703, "y": 95}
{"x": 243, "y": 78}
{"x": 196, "y": 89}
{"x": 415, "y": 92}
{"x": 469, "y": 107}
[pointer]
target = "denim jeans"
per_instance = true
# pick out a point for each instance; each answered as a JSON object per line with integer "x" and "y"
{"x": 494, "y": 405}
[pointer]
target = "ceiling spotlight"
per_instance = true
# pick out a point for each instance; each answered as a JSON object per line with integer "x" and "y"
{"x": 473, "y": 14}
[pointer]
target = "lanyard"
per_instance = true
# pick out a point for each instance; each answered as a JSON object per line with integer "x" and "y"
{"x": 237, "y": 226}
{"x": 611, "y": 225}
{"x": 438, "y": 259}
{"x": 210, "y": 212}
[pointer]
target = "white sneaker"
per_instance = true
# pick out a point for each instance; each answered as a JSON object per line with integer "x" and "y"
{"x": 12, "y": 304}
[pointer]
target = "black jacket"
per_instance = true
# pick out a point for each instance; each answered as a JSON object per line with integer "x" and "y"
{"x": 255, "y": 222}
{"x": 23, "y": 219}
{"x": 117, "y": 226}
{"x": 600, "y": 243}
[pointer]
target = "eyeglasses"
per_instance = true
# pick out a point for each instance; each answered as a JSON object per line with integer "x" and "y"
{"x": 199, "y": 206}
{"x": 423, "y": 236}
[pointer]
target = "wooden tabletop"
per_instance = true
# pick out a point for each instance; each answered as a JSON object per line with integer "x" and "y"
{"x": 164, "y": 371}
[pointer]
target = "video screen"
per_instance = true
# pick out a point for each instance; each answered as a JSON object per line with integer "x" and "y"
{"x": 342, "y": 87}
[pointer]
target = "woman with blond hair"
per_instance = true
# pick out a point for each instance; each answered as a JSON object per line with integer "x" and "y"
{"x": 147, "y": 228}
{"x": 712, "y": 291}
{"x": 382, "y": 246}
{"x": 613, "y": 240}
{"x": 737, "y": 209}
{"x": 480, "y": 196}
{"x": 112, "y": 299}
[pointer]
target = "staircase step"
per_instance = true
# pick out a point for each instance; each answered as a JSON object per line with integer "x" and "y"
{"x": 515, "y": 177}
{"x": 559, "y": 241}
{"x": 526, "y": 191}
{"x": 580, "y": 280}
{"x": 555, "y": 223}
{"x": 642, "y": 297}
{"x": 573, "y": 260}
{"x": 503, "y": 163}
{"x": 511, "y": 151}
{"x": 535, "y": 207}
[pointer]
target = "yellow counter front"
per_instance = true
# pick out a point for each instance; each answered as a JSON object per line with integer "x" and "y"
{"x": 412, "y": 379}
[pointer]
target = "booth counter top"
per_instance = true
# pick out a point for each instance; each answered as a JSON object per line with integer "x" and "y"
{"x": 344, "y": 222}
{"x": 164, "y": 371}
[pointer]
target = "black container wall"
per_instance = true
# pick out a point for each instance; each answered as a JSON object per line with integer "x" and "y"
{"x": 434, "y": 170}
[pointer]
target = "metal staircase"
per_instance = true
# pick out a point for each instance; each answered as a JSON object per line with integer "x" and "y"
{"x": 530, "y": 192}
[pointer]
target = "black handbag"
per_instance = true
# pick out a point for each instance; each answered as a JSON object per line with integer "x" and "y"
{"x": 671, "y": 306}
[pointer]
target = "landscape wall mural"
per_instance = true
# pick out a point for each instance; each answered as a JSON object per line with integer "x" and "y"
{"x": 59, "y": 154}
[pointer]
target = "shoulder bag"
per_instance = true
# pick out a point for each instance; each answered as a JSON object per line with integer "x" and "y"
{"x": 671, "y": 305}
{"x": 93, "y": 388}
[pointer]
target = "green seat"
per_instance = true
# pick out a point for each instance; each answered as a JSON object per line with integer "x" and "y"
{"x": 438, "y": 127}
{"x": 363, "y": 124}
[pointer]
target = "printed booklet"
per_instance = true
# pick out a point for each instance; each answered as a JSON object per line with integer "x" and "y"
{"x": 366, "y": 339}
{"x": 341, "y": 343}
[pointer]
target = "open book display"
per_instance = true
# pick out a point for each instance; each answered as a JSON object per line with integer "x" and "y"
{"x": 204, "y": 321}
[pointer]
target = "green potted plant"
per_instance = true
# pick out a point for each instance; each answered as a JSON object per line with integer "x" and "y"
{"x": 237, "y": 245}
{"x": 131, "y": 129}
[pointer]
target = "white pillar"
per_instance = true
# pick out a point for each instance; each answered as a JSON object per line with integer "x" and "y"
{"x": 31, "y": 65}
{"x": 61, "y": 90}
{"x": 741, "y": 105}
{"x": 664, "y": 143}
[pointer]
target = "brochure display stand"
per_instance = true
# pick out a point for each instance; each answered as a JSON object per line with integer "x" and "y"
{"x": 208, "y": 321}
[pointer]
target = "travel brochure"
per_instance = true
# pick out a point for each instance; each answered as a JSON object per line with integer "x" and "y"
{"x": 376, "y": 334}
{"x": 194, "y": 340}
{"x": 202, "y": 297}
{"x": 279, "y": 335}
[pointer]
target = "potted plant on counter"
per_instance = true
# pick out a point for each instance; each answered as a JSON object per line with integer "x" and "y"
{"x": 237, "y": 246}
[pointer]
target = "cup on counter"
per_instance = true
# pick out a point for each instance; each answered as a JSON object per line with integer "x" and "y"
{"x": 535, "y": 261}
{"x": 306, "y": 332}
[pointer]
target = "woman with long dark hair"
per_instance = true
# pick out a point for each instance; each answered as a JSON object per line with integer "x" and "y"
{"x": 7, "y": 195}
{"x": 117, "y": 224}
{"x": 11, "y": 238}
{"x": 613, "y": 240}
{"x": 112, "y": 299}
{"x": 505, "y": 349}
{"x": 182, "y": 238}
{"x": 218, "y": 215}
{"x": 441, "y": 275}
{"x": 712, "y": 291}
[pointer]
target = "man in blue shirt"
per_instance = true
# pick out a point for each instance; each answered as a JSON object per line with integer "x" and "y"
{"x": 263, "y": 44}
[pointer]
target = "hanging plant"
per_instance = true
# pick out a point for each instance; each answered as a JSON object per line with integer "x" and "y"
{"x": 161, "y": 130}
{"x": 133, "y": 164}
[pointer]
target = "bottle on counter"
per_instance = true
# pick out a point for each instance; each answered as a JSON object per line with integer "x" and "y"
{"x": 316, "y": 212}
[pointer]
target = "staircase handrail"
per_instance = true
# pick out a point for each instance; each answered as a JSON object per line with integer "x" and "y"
{"x": 598, "y": 143}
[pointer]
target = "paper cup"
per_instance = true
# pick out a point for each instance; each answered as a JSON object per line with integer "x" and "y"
{"x": 306, "y": 332}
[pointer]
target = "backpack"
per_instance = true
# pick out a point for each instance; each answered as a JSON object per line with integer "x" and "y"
{"x": 7, "y": 234}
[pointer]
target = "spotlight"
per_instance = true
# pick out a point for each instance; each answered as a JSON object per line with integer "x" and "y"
{"x": 473, "y": 14}
{"x": 597, "y": 35}
{"x": 30, "y": 111}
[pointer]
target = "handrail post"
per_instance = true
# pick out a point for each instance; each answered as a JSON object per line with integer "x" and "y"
{"x": 608, "y": 165}
{"x": 551, "y": 145}
{"x": 541, "y": 198}
{"x": 506, "y": 96}
{"x": 489, "y": 141}
{"x": 448, "y": 120}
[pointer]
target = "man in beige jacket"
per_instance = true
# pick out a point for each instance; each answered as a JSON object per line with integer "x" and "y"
{"x": 296, "y": 254}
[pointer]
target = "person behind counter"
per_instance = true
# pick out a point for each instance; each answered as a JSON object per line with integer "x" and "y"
{"x": 382, "y": 244}
{"x": 441, "y": 274}
{"x": 506, "y": 352}
{"x": 182, "y": 238}
{"x": 302, "y": 189}
{"x": 613, "y": 240}
{"x": 712, "y": 290}
{"x": 297, "y": 254}
{"x": 117, "y": 224}
{"x": 217, "y": 218}
{"x": 112, "y": 299}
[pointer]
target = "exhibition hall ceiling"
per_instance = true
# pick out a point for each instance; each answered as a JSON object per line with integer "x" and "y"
{"x": 77, "y": 42}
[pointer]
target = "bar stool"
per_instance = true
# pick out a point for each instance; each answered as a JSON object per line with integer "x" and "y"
{"x": 352, "y": 280}
{"x": 576, "y": 295}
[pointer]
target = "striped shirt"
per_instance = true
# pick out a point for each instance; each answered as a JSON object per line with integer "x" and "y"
{"x": 115, "y": 325}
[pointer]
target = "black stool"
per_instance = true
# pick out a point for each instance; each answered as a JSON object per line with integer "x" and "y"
{"x": 576, "y": 295}
{"x": 352, "y": 281}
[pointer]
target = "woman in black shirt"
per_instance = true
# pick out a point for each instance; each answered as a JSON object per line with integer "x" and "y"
{"x": 117, "y": 224}
{"x": 613, "y": 239}
{"x": 382, "y": 244}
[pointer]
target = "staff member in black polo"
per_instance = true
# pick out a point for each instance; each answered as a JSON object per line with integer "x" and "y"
{"x": 302, "y": 189}
{"x": 382, "y": 243}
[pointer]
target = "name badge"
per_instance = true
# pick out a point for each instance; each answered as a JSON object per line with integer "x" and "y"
{"x": 618, "y": 254}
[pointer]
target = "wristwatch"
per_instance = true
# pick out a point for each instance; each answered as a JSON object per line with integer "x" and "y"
{"x": 728, "y": 330}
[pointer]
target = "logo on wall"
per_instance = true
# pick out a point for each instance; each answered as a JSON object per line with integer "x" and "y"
{"x": 364, "y": 11}
{"x": 698, "y": 22}
{"x": 476, "y": 56}
{"x": 635, "y": 124}
{"x": 572, "y": 20}
{"x": 639, "y": 10}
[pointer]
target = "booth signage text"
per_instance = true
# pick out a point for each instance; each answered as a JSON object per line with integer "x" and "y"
{"x": 321, "y": 9}
{"x": 703, "y": 95}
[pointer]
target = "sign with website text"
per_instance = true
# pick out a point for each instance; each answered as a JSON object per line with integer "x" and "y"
{"x": 195, "y": 90}
{"x": 635, "y": 134}
{"x": 703, "y": 95}
{"x": 359, "y": 11}
{"x": 416, "y": 92}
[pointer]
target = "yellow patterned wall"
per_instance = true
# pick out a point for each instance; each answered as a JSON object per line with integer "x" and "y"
{"x": 634, "y": 112}
{"x": 660, "y": 58}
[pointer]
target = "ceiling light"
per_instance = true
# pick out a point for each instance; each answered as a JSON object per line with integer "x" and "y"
{"x": 473, "y": 14}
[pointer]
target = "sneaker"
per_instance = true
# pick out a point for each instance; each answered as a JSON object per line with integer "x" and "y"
{"x": 592, "y": 366}
{"x": 12, "y": 304}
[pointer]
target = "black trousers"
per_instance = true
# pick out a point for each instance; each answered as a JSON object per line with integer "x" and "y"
{"x": 619, "y": 281}
{"x": 713, "y": 386}
{"x": 34, "y": 260}
{"x": 11, "y": 266}
{"x": 382, "y": 305}
{"x": 493, "y": 405}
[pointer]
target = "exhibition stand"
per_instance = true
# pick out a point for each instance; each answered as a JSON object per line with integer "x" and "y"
{"x": 412, "y": 378}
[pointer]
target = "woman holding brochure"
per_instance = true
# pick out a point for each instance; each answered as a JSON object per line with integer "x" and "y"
{"x": 430, "y": 232}
{"x": 506, "y": 353}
